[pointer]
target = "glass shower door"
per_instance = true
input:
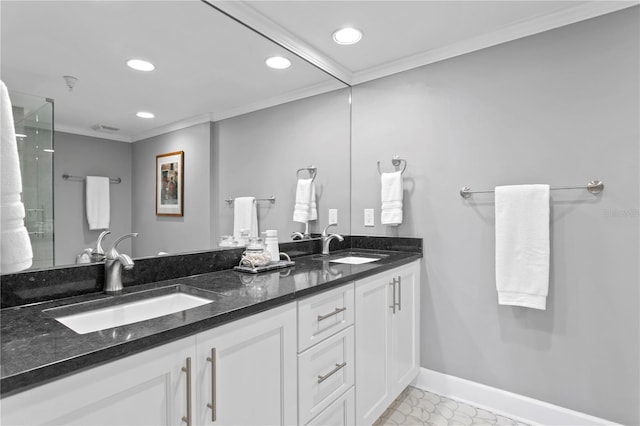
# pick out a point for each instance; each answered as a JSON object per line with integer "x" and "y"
{"x": 33, "y": 119}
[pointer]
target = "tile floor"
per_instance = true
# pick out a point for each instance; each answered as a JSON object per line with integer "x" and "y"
{"x": 418, "y": 407}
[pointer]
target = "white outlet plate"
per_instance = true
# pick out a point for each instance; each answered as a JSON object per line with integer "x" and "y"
{"x": 369, "y": 218}
{"x": 333, "y": 216}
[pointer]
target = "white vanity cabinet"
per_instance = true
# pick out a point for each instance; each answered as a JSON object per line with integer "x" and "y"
{"x": 149, "y": 388}
{"x": 246, "y": 372}
{"x": 387, "y": 338}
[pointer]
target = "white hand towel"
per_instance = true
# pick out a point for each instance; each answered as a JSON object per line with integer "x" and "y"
{"x": 97, "y": 200}
{"x": 245, "y": 217}
{"x": 391, "y": 196}
{"x": 15, "y": 252}
{"x": 522, "y": 245}
{"x": 305, "y": 208}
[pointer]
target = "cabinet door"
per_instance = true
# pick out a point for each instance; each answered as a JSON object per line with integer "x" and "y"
{"x": 373, "y": 339}
{"x": 247, "y": 371}
{"x": 405, "y": 328}
{"x": 148, "y": 388}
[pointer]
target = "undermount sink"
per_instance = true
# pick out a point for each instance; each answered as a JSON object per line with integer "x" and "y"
{"x": 121, "y": 310}
{"x": 354, "y": 260}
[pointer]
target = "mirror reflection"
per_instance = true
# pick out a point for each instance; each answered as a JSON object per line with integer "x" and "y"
{"x": 244, "y": 128}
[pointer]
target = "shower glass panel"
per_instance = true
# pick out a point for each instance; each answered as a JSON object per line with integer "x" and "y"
{"x": 33, "y": 119}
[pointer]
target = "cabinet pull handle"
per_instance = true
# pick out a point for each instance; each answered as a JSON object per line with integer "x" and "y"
{"x": 393, "y": 290}
{"x": 399, "y": 292}
{"x": 332, "y": 372}
{"x": 212, "y": 405}
{"x": 336, "y": 312}
{"x": 187, "y": 369}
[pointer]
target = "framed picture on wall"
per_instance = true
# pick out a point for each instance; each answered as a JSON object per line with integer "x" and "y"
{"x": 170, "y": 184}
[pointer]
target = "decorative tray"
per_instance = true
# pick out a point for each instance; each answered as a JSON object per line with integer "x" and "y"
{"x": 269, "y": 267}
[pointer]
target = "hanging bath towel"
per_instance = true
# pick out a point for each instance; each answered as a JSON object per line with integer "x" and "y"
{"x": 391, "y": 196}
{"x": 97, "y": 200}
{"x": 16, "y": 253}
{"x": 522, "y": 245}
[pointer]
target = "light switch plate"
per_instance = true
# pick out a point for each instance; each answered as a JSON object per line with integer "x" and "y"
{"x": 333, "y": 216}
{"x": 369, "y": 219}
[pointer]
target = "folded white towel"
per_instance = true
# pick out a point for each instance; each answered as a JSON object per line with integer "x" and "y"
{"x": 97, "y": 201}
{"x": 245, "y": 217}
{"x": 305, "y": 208}
{"x": 15, "y": 251}
{"x": 391, "y": 196}
{"x": 522, "y": 245}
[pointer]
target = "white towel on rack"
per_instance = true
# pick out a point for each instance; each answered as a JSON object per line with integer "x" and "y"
{"x": 391, "y": 196}
{"x": 305, "y": 208}
{"x": 97, "y": 202}
{"x": 245, "y": 217}
{"x": 522, "y": 245}
{"x": 15, "y": 252}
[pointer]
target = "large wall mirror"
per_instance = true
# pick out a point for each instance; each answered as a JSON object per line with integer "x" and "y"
{"x": 245, "y": 129}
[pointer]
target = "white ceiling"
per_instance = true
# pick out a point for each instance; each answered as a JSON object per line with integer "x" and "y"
{"x": 209, "y": 67}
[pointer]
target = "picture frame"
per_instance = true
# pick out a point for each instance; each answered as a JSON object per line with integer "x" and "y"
{"x": 170, "y": 184}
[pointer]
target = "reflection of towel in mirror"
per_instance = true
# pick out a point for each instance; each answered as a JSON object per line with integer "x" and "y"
{"x": 391, "y": 197}
{"x": 305, "y": 208}
{"x": 16, "y": 253}
{"x": 245, "y": 217}
{"x": 97, "y": 198}
{"x": 522, "y": 245}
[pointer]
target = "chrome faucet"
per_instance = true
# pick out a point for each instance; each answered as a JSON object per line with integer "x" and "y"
{"x": 326, "y": 238}
{"x": 114, "y": 262}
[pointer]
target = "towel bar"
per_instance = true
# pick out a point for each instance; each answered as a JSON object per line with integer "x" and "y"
{"x": 81, "y": 178}
{"x": 594, "y": 187}
{"x": 271, "y": 199}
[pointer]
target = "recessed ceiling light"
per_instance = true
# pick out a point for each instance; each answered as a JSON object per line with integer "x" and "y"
{"x": 48, "y": 150}
{"x": 278, "y": 62}
{"x": 20, "y": 135}
{"x": 140, "y": 65}
{"x": 347, "y": 36}
{"x": 143, "y": 114}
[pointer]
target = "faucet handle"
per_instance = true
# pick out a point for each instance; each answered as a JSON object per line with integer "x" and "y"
{"x": 98, "y": 249}
{"x": 324, "y": 231}
{"x": 113, "y": 253}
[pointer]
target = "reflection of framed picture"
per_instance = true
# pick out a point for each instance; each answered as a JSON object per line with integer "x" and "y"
{"x": 169, "y": 184}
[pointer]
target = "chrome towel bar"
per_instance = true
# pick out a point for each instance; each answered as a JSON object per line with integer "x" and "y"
{"x": 594, "y": 187}
{"x": 81, "y": 178}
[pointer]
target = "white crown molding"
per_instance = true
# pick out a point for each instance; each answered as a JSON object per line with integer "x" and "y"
{"x": 244, "y": 12}
{"x": 295, "y": 95}
{"x": 508, "y": 404}
{"x": 91, "y": 133}
{"x": 522, "y": 29}
{"x": 172, "y": 127}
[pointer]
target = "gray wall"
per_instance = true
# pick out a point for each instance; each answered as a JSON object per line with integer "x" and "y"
{"x": 259, "y": 154}
{"x": 559, "y": 107}
{"x": 80, "y": 155}
{"x": 166, "y": 233}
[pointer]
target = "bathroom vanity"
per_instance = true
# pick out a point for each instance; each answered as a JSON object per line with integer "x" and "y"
{"x": 321, "y": 343}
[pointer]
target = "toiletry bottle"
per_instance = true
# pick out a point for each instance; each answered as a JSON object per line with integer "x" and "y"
{"x": 271, "y": 240}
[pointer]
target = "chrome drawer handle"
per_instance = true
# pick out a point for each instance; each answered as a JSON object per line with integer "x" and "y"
{"x": 187, "y": 369}
{"x": 393, "y": 291}
{"x": 336, "y": 312}
{"x": 212, "y": 405}
{"x": 332, "y": 372}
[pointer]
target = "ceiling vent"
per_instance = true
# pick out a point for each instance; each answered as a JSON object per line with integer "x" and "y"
{"x": 104, "y": 128}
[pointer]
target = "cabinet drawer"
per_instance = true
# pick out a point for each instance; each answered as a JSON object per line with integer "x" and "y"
{"x": 324, "y": 315}
{"x": 342, "y": 412}
{"x": 325, "y": 372}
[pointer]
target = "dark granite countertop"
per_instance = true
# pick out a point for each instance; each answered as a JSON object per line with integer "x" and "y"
{"x": 36, "y": 348}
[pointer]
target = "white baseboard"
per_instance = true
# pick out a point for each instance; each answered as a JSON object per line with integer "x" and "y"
{"x": 508, "y": 404}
